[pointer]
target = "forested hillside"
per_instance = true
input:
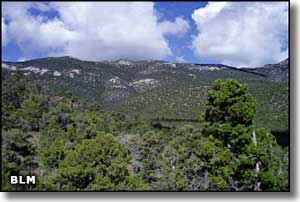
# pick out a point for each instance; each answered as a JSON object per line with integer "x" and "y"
{"x": 71, "y": 143}
{"x": 174, "y": 93}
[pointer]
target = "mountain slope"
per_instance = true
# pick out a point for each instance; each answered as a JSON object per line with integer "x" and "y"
{"x": 275, "y": 72}
{"x": 158, "y": 90}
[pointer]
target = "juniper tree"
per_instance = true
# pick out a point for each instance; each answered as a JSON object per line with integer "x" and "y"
{"x": 239, "y": 156}
{"x": 99, "y": 164}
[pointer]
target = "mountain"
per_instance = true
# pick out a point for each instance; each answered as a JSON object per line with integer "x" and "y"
{"x": 275, "y": 72}
{"x": 172, "y": 93}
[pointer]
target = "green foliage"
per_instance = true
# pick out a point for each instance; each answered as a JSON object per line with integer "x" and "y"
{"x": 183, "y": 161}
{"x": 18, "y": 157}
{"x": 97, "y": 164}
{"x": 228, "y": 102}
{"x": 274, "y": 162}
{"x": 240, "y": 157}
{"x": 51, "y": 157}
{"x": 71, "y": 144}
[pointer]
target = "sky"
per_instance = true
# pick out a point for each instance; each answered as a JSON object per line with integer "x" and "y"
{"x": 240, "y": 34}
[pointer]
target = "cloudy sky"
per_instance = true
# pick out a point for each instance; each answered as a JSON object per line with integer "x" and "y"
{"x": 232, "y": 33}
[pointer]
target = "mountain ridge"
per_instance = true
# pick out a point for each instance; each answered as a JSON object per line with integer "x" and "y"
{"x": 260, "y": 71}
{"x": 283, "y": 62}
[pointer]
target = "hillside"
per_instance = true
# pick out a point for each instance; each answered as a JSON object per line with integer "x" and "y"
{"x": 155, "y": 144}
{"x": 173, "y": 93}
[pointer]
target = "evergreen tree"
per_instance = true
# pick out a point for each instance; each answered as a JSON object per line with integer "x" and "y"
{"x": 96, "y": 164}
{"x": 18, "y": 158}
{"x": 240, "y": 157}
{"x": 75, "y": 145}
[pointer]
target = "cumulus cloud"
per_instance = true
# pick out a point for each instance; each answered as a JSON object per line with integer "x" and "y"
{"x": 242, "y": 33}
{"x": 32, "y": 33}
{"x": 179, "y": 26}
{"x": 90, "y": 30}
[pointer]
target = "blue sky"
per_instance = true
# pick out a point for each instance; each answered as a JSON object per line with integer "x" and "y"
{"x": 237, "y": 34}
{"x": 180, "y": 45}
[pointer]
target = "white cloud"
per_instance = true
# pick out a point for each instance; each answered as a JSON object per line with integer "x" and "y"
{"x": 242, "y": 33}
{"x": 91, "y": 30}
{"x": 179, "y": 26}
{"x": 4, "y": 33}
{"x": 32, "y": 33}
